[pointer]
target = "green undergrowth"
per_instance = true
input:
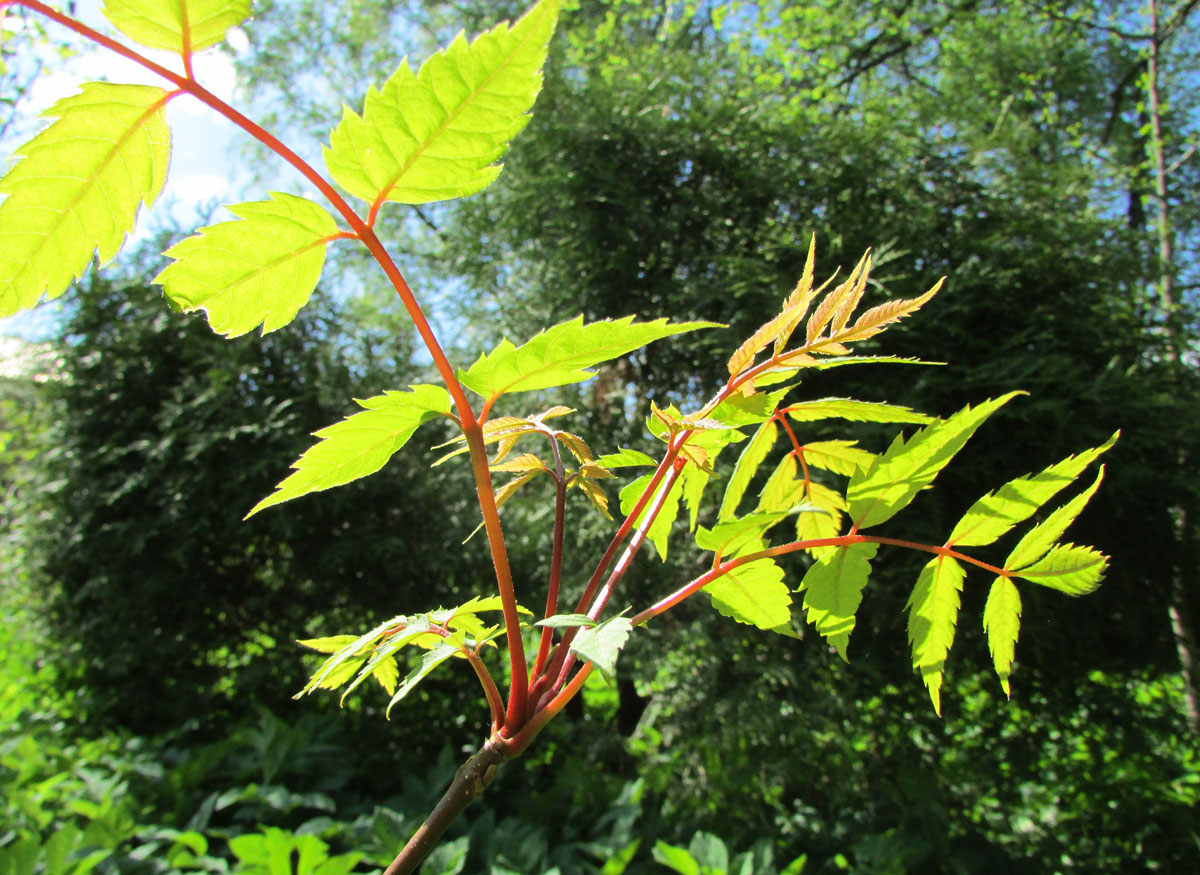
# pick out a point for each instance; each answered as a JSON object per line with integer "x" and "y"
{"x": 273, "y": 795}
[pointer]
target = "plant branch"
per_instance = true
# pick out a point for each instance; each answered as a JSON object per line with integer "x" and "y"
{"x": 471, "y": 779}
{"x": 560, "y": 653}
{"x": 556, "y": 551}
{"x": 639, "y": 537}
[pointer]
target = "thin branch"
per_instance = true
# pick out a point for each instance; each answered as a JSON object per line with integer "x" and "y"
{"x": 556, "y": 551}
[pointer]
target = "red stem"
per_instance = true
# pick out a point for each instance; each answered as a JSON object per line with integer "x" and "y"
{"x": 622, "y": 566}
{"x": 560, "y": 652}
{"x": 490, "y": 692}
{"x": 560, "y": 512}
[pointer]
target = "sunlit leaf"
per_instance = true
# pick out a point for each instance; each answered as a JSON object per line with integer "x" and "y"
{"x": 625, "y": 458}
{"x": 783, "y": 489}
{"x": 833, "y": 588}
{"x": 437, "y": 134}
{"x": 877, "y": 494}
{"x": 932, "y": 616}
{"x": 997, "y": 512}
{"x": 176, "y": 25}
{"x": 1067, "y": 568}
{"x": 1001, "y": 623}
{"x": 567, "y": 621}
{"x": 602, "y": 644}
{"x": 754, "y": 594}
{"x": 660, "y": 528}
{"x": 361, "y": 444}
{"x": 825, "y": 521}
{"x": 840, "y": 457}
{"x": 854, "y": 411}
{"x": 878, "y": 318}
{"x": 747, "y": 465}
{"x": 728, "y": 537}
{"x": 77, "y": 189}
{"x": 429, "y": 661}
{"x": 1042, "y": 537}
{"x": 257, "y": 271}
{"x": 563, "y": 354}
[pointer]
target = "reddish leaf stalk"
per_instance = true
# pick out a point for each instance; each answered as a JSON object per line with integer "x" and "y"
{"x": 560, "y": 652}
{"x": 560, "y": 512}
{"x": 490, "y": 692}
{"x": 621, "y": 567}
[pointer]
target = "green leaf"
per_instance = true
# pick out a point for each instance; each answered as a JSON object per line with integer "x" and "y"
{"x": 833, "y": 588}
{"x": 566, "y": 621}
{"x": 877, "y": 494}
{"x": 726, "y": 538}
{"x": 747, "y": 465}
{"x": 739, "y": 410}
{"x": 1068, "y": 568}
{"x": 78, "y": 188}
{"x": 1001, "y": 623}
{"x": 257, "y": 271}
{"x": 854, "y": 411}
{"x": 179, "y": 26}
{"x": 562, "y": 354}
{"x": 823, "y": 522}
{"x": 384, "y": 657}
{"x": 675, "y": 858}
{"x": 361, "y": 444}
{"x": 932, "y": 615}
{"x": 431, "y": 660}
{"x": 355, "y": 650}
{"x": 695, "y": 479}
{"x": 436, "y": 134}
{"x": 754, "y": 594}
{"x": 1041, "y": 537}
{"x": 625, "y": 458}
{"x": 328, "y": 645}
{"x": 1014, "y": 502}
{"x": 601, "y": 645}
{"x": 660, "y": 529}
{"x": 783, "y": 489}
{"x": 840, "y": 457}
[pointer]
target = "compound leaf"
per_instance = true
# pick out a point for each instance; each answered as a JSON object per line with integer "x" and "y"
{"x": 180, "y": 26}
{"x": 563, "y": 354}
{"x": 1068, "y": 568}
{"x": 877, "y": 494}
{"x": 1041, "y": 537}
{"x": 78, "y": 187}
{"x": 932, "y": 615}
{"x": 754, "y": 594}
{"x": 260, "y": 270}
{"x": 361, "y": 444}
{"x": 833, "y": 588}
{"x": 436, "y": 134}
{"x": 1014, "y": 502}
{"x": 1001, "y": 623}
{"x": 600, "y": 645}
